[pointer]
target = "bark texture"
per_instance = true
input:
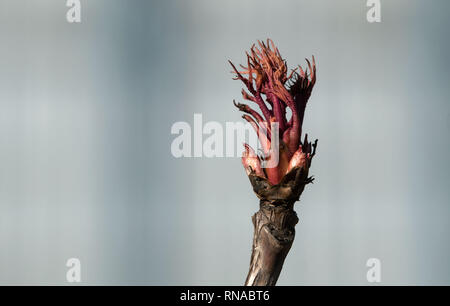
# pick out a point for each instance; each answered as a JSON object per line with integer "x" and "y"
{"x": 274, "y": 225}
{"x": 273, "y": 237}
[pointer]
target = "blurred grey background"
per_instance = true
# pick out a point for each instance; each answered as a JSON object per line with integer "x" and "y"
{"x": 86, "y": 169}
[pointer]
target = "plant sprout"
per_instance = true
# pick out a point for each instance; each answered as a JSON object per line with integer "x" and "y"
{"x": 277, "y": 93}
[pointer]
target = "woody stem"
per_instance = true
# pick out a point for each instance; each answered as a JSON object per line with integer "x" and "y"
{"x": 274, "y": 234}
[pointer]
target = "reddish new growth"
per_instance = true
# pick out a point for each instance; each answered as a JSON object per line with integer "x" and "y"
{"x": 273, "y": 90}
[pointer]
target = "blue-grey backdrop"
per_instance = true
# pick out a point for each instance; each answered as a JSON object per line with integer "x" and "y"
{"x": 85, "y": 164}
